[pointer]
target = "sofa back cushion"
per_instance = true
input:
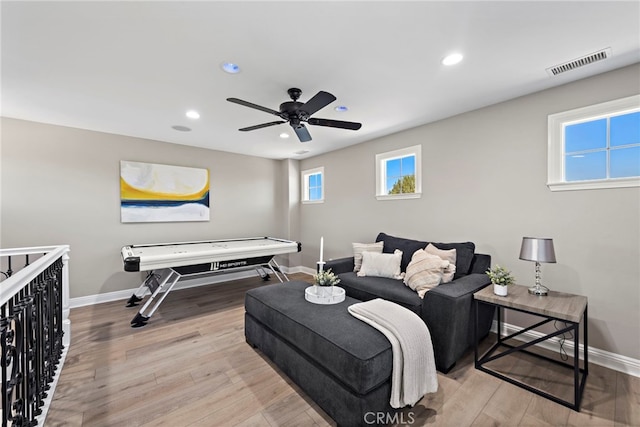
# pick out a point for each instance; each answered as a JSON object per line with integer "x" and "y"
{"x": 407, "y": 246}
{"x": 464, "y": 256}
{"x": 464, "y": 251}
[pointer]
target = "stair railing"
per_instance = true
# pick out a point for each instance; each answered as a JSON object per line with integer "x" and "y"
{"x": 34, "y": 330}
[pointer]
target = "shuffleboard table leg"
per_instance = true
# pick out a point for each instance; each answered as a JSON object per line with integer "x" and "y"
{"x": 265, "y": 276}
{"x": 133, "y": 301}
{"x": 150, "y": 283}
{"x": 275, "y": 267}
{"x": 139, "y": 321}
{"x": 168, "y": 278}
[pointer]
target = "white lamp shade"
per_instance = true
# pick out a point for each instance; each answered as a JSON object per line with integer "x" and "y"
{"x": 537, "y": 249}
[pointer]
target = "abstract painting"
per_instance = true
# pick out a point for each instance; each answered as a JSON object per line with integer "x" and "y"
{"x": 163, "y": 193}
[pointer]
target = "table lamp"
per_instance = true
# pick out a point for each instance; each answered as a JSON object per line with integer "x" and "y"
{"x": 538, "y": 250}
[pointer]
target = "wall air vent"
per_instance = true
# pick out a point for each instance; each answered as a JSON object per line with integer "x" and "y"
{"x": 579, "y": 62}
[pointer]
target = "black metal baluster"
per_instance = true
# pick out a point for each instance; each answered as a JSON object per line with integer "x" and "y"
{"x": 31, "y": 346}
{"x": 40, "y": 360}
{"x": 31, "y": 403}
{"x": 18, "y": 392}
{"x": 4, "y": 365}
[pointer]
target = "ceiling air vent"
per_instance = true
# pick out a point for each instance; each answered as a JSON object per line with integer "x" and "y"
{"x": 576, "y": 63}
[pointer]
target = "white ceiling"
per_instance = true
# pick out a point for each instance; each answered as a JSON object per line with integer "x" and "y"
{"x": 135, "y": 68}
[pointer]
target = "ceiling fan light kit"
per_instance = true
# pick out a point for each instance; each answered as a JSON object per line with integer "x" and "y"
{"x": 298, "y": 113}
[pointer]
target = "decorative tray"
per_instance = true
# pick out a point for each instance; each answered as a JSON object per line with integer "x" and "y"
{"x": 324, "y": 294}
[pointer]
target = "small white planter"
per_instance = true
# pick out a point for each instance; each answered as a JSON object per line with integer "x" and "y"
{"x": 500, "y": 290}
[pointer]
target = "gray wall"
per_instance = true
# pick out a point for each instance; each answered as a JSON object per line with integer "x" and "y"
{"x": 61, "y": 186}
{"x": 484, "y": 176}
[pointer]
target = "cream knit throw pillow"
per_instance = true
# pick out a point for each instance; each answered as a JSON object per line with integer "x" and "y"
{"x": 424, "y": 272}
{"x": 358, "y": 248}
{"x": 447, "y": 255}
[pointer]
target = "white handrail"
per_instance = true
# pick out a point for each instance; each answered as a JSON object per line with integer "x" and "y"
{"x": 13, "y": 285}
{"x": 18, "y": 281}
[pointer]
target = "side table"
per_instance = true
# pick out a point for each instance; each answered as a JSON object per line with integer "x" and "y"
{"x": 568, "y": 308}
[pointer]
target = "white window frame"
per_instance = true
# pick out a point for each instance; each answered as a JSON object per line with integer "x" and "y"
{"x": 381, "y": 173}
{"x": 555, "y": 149}
{"x": 304, "y": 176}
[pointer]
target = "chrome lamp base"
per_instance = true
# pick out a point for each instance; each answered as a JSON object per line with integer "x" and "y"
{"x": 539, "y": 290}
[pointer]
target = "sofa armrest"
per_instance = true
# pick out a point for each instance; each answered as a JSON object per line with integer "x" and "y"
{"x": 464, "y": 285}
{"x": 446, "y": 309}
{"x": 340, "y": 265}
{"x": 480, "y": 264}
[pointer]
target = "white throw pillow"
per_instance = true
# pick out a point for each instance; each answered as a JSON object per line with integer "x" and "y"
{"x": 381, "y": 265}
{"x": 424, "y": 272}
{"x": 447, "y": 255}
{"x": 359, "y": 248}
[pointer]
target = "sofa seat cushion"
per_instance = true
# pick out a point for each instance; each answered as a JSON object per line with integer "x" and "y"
{"x": 353, "y": 352}
{"x": 368, "y": 288}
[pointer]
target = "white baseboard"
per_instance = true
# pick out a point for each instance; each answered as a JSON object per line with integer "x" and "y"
{"x": 307, "y": 270}
{"x": 597, "y": 356}
{"x": 183, "y": 284}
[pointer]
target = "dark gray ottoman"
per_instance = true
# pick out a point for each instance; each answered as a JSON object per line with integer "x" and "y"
{"x": 340, "y": 362}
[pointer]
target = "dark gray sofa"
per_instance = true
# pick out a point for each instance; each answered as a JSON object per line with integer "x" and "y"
{"x": 446, "y": 309}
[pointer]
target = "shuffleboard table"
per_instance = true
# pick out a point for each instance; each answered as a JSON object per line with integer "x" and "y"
{"x": 167, "y": 263}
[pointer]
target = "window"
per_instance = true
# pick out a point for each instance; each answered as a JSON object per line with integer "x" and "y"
{"x": 398, "y": 174}
{"x": 313, "y": 185}
{"x": 595, "y": 147}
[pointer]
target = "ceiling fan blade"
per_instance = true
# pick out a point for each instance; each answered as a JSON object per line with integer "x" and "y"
{"x": 251, "y": 105}
{"x": 302, "y": 132}
{"x": 264, "y": 125}
{"x": 320, "y": 100}
{"x": 334, "y": 123}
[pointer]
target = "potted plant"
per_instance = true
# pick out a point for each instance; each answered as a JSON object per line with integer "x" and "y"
{"x": 501, "y": 278}
{"x": 325, "y": 279}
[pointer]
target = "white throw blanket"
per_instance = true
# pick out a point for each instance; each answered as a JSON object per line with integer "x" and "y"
{"x": 414, "y": 368}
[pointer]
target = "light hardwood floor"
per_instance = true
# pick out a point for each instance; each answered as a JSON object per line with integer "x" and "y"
{"x": 191, "y": 366}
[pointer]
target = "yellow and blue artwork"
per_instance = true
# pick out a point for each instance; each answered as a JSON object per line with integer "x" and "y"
{"x": 162, "y": 193}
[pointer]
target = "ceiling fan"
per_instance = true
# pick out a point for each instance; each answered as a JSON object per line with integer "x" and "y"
{"x": 297, "y": 113}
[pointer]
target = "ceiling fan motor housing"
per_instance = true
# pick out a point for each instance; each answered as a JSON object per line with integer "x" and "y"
{"x": 290, "y": 107}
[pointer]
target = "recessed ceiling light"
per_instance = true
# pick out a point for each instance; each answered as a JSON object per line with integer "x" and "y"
{"x": 452, "y": 59}
{"x": 193, "y": 114}
{"x": 181, "y": 128}
{"x": 284, "y": 135}
{"x": 341, "y": 108}
{"x": 230, "y": 67}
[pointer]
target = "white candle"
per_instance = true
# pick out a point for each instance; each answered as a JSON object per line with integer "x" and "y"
{"x": 321, "y": 247}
